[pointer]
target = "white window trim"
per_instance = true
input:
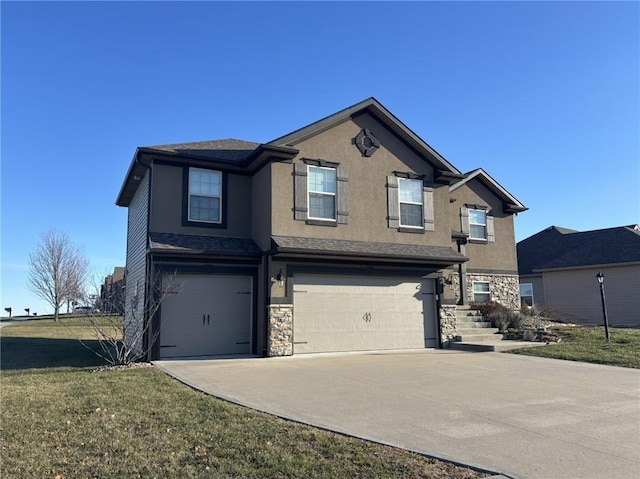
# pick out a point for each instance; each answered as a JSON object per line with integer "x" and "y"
{"x": 421, "y": 203}
{"x": 473, "y": 290}
{"x": 323, "y": 193}
{"x": 471, "y": 224}
{"x": 189, "y": 194}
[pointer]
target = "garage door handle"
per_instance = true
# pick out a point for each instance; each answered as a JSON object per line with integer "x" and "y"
{"x": 208, "y": 319}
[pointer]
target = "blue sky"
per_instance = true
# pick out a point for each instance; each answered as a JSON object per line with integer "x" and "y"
{"x": 545, "y": 96}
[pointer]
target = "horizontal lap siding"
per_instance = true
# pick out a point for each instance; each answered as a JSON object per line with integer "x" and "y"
{"x": 138, "y": 218}
{"x": 575, "y": 294}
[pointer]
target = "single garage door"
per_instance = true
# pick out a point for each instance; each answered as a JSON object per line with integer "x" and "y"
{"x": 207, "y": 315}
{"x": 359, "y": 313}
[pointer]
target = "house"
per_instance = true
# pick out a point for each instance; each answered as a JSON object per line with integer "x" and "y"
{"x": 558, "y": 268}
{"x": 112, "y": 292}
{"x": 350, "y": 233}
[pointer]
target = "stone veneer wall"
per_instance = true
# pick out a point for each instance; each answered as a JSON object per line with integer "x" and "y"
{"x": 448, "y": 326}
{"x": 505, "y": 288}
{"x": 280, "y": 340}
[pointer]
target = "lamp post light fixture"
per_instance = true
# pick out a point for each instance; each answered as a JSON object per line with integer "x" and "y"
{"x": 600, "y": 278}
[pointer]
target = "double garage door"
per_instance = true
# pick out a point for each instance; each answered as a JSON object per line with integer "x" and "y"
{"x": 359, "y": 313}
{"x": 206, "y": 315}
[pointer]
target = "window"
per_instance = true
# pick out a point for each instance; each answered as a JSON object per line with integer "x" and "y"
{"x": 410, "y": 196}
{"x": 205, "y": 198}
{"x": 481, "y": 293}
{"x": 526, "y": 294}
{"x": 409, "y": 203}
{"x": 477, "y": 224}
{"x": 322, "y": 193}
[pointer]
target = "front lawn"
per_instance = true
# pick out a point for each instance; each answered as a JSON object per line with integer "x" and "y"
{"x": 588, "y": 344}
{"x": 61, "y": 419}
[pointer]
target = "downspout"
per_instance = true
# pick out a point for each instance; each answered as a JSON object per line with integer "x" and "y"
{"x": 462, "y": 273}
{"x": 267, "y": 301}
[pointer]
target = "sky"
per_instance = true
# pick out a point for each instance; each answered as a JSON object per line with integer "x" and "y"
{"x": 544, "y": 96}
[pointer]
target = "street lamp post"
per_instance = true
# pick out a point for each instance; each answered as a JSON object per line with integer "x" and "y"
{"x": 600, "y": 278}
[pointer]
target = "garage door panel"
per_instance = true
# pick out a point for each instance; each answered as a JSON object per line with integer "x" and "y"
{"x": 341, "y": 313}
{"x": 207, "y": 316}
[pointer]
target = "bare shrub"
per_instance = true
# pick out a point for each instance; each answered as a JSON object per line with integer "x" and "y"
{"x": 124, "y": 341}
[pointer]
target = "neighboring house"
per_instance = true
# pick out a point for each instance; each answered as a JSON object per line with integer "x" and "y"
{"x": 112, "y": 292}
{"x": 348, "y": 234}
{"x": 558, "y": 268}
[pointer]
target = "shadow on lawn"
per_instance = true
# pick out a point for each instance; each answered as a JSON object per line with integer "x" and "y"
{"x": 38, "y": 353}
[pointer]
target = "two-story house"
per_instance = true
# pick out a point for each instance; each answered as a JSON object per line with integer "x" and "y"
{"x": 351, "y": 233}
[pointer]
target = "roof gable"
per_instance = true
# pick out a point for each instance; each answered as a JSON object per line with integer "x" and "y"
{"x": 511, "y": 203}
{"x": 384, "y": 116}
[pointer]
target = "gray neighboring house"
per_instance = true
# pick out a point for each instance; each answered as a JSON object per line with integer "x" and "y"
{"x": 558, "y": 268}
{"x": 348, "y": 234}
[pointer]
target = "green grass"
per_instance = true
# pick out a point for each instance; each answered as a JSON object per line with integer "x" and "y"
{"x": 59, "y": 418}
{"x": 588, "y": 344}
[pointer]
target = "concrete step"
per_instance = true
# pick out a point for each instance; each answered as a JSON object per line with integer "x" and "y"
{"x": 473, "y": 324}
{"x": 495, "y": 346}
{"x": 491, "y": 332}
{"x": 479, "y": 337}
{"x": 469, "y": 316}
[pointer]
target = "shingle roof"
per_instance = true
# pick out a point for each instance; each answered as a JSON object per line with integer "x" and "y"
{"x": 422, "y": 253}
{"x": 228, "y": 149}
{"x": 557, "y": 248}
{"x": 202, "y": 244}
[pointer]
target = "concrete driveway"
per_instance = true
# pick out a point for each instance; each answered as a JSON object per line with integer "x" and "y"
{"x": 522, "y": 416}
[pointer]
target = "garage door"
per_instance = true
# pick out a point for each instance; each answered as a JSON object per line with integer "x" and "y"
{"x": 355, "y": 313}
{"x": 207, "y": 315}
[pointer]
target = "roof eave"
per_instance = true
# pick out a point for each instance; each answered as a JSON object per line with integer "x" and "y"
{"x": 511, "y": 203}
{"x": 440, "y": 261}
{"x": 134, "y": 175}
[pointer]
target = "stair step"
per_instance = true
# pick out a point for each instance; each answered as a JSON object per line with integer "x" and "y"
{"x": 470, "y": 338}
{"x": 468, "y": 314}
{"x": 498, "y": 346}
{"x": 474, "y": 324}
{"x": 477, "y": 331}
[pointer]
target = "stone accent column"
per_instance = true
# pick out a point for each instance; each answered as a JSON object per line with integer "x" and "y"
{"x": 448, "y": 326}
{"x": 280, "y": 340}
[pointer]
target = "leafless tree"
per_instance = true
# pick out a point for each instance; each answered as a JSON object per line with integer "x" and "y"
{"x": 57, "y": 269}
{"x": 125, "y": 340}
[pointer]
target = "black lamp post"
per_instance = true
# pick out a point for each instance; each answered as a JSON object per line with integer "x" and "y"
{"x": 600, "y": 278}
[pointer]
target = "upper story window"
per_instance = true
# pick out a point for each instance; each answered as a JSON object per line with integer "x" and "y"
{"x": 409, "y": 203}
{"x": 477, "y": 224}
{"x": 205, "y": 196}
{"x": 410, "y": 196}
{"x": 322, "y": 192}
